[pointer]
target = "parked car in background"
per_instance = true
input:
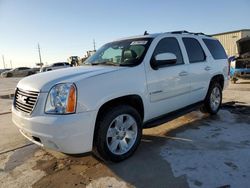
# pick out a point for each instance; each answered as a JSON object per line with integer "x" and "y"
{"x": 3, "y": 70}
{"x": 126, "y": 85}
{"x": 240, "y": 66}
{"x": 18, "y": 72}
{"x": 36, "y": 69}
{"x": 55, "y": 66}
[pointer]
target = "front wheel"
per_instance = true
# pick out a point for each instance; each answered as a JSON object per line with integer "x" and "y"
{"x": 118, "y": 133}
{"x": 9, "y": 75}
{"x": 213, "y": 99}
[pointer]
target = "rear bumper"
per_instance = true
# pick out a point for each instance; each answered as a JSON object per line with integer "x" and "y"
{"x": 71, "y": 134}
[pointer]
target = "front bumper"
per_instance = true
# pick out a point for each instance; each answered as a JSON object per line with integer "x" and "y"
{"x": 70, "y": 134}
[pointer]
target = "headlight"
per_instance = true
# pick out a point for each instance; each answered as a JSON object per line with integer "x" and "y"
{"x": 61, "y": 99}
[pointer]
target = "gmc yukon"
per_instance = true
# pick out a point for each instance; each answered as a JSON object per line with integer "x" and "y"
{"x": 126, "y": 85}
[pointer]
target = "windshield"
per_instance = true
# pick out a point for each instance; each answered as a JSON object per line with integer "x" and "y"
{"x": 121, "y": 53}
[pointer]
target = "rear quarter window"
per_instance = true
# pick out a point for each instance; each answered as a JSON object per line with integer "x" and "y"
{"x": 215, "y": 48}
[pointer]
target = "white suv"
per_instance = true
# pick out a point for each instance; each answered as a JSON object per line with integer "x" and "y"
{"x": 126, "y": 85}
{"x": 55, "y": 66}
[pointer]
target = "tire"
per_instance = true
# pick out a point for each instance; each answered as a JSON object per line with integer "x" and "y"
{"x": 112, "y": 143}
{"x": 213, "y": 99}
{"x": 233, "y": 80}
{"x": 29, "y": 73}
{"x": 9, "y": 75}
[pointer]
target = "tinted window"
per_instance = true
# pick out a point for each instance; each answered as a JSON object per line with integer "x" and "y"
{"x": 194, "y": 50}
{"x": 58, "y": 64}
{"x": 169, "y": 45}
{"x": 23, "y": 68}
{"x": 215, "y": 48}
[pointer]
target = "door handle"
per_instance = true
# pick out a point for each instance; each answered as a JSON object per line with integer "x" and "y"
{"x": 207, "y": 68}
{"x": 183, "y": 73}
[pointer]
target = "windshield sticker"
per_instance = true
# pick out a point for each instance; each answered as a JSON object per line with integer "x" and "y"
{"x": 140, "y": 42}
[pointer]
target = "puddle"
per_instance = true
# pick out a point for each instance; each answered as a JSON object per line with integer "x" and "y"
{"x": 19, "y": 157}
{"x": 236, "y": 107}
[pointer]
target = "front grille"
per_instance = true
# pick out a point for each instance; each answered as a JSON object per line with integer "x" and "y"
{"x": 25, "y": 101}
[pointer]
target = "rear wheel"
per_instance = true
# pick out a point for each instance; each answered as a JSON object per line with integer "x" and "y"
{"x": 234, "y": 80}
{"x": 29, "y": 73}
{"x": 213, "y": 99}
{"x": 118, "y": 133}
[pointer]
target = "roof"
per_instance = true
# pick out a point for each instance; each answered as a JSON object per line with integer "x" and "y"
{"x": 139, "y": 36}
{"x": 228, "y": 32}
{"x": 154, "y": 35}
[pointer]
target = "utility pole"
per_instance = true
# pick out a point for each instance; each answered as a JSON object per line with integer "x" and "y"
{"x": 40, "y": 58}
{"x": 94, "y": 44}
{"x": 3, "y": 61}
{"x": 10, "y": 63}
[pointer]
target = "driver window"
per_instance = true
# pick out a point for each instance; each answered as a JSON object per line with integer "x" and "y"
{"x": 169, "y": 45}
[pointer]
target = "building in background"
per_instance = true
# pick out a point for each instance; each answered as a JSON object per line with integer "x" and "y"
{"x": 228, "y": 40}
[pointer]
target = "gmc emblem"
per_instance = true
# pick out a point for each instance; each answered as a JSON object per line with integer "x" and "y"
{"x": 22, "y": 99}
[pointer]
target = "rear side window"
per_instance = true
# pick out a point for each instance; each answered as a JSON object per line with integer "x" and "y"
{"x": 194, "y": 50}
{"x": 215, "y": 48}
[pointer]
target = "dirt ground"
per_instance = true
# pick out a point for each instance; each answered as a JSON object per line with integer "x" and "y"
{"x": 195, "y": 150}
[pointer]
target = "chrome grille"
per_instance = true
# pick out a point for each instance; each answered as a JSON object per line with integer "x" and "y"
{"x": 25, "y": 101}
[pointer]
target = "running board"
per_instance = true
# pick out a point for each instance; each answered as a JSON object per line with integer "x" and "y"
{"x": 171, "y": 116}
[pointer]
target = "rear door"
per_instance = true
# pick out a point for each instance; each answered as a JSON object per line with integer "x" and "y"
{"x": 16, "y": 72}
{"x": 24, "y": 71}
{"x": 199, "y": 69}
{"x": 168, "y": 86}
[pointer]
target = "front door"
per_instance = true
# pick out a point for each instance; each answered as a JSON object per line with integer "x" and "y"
{"x": 168, "y": 86}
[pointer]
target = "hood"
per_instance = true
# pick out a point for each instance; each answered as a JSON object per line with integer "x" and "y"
{"x": 44, "y": 81}
{"x": 243, "y": 46}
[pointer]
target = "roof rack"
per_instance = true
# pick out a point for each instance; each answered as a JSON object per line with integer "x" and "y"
{"x": 187, "y": 32}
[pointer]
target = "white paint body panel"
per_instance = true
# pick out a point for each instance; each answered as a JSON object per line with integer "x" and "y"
{"x": 162, "y": 91}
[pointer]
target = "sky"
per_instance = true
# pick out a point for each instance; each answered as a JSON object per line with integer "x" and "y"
{"x": 67, "y": 27}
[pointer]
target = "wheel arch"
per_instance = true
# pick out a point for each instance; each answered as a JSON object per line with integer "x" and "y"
{"x": 133, "y": 100}
{"x": 218, "y": 78}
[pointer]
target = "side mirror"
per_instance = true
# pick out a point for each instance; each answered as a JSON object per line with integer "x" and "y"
{"x": 163, "y": 59}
